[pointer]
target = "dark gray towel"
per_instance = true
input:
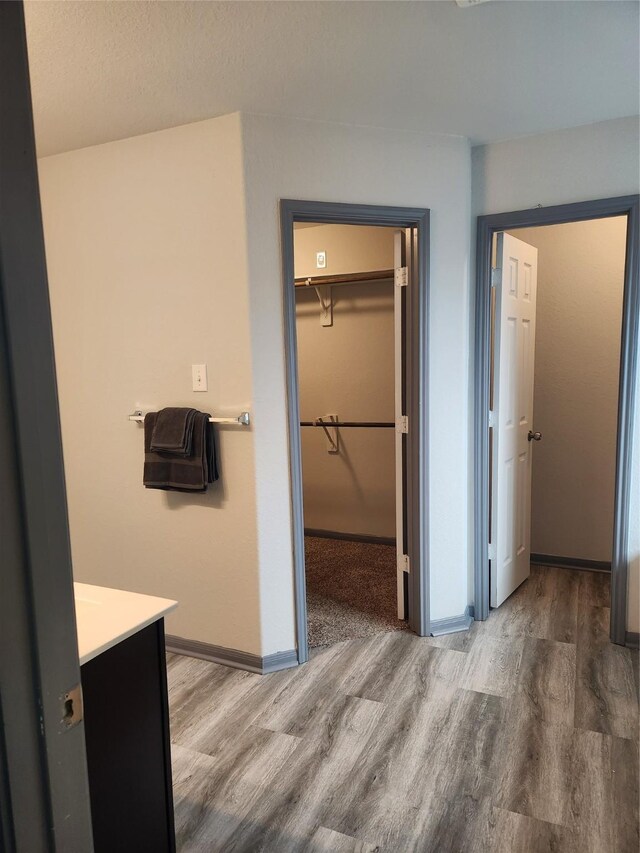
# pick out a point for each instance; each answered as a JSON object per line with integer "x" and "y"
{"x": 177, "y": 472}
{"x": 173, "y": 431}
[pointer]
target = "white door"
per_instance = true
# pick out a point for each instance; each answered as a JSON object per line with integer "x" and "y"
{"x": 399, "y": 261}
{"x": 512, "y": 415}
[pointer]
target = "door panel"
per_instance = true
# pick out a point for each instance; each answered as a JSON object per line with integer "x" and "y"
{"x": 514, "y": 360}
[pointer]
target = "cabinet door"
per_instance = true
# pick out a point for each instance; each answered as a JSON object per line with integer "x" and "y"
{"x": 128, "y": 748}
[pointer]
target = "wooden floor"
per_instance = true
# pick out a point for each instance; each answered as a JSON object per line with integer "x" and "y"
{"x": 520, "y": 735}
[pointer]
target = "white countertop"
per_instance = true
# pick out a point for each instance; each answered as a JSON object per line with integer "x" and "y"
{"x": 106, "y": 616}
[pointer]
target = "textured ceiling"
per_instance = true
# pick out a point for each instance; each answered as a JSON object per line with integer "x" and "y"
{"x": 107, "y": 70}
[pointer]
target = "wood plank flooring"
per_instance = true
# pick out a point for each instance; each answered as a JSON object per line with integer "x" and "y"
{"x": 520, "y": 736}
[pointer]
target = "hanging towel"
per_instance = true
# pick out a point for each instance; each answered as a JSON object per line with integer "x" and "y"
{"x": 177, "y": 471}
{"x": 173, "y": 431}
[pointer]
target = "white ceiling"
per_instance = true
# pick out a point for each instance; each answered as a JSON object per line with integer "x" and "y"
{"x": 107, "y": 70}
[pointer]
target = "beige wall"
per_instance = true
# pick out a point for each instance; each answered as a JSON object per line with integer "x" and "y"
{"x": 186, "y": 217}
{"x": 146, "y": 255}
{"x": 347, "y": 369}
{"x": 164, "y": 251}
{"x": 349, "y": 248}
{"x": 579, "y": 316}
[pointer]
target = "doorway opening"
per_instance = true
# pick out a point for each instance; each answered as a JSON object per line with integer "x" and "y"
{"x": 355, "y": 296}
{"x": 347, "y": 372}
{"x": 556, "y": 343}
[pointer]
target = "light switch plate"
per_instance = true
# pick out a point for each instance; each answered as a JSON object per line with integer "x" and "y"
{"x": 321, "y": 260}
{"x": 199, "y": 377}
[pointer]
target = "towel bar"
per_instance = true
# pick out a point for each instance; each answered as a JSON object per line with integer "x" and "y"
{"x": 243, "y": 418}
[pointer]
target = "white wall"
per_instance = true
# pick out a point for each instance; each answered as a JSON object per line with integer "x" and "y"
{"x": 596, "y": 161}
{"x": 146, "y": 254}
{"x": 347, "y": 369}
{"x": 578, "y": 328}
{"x": 331, "y": 162}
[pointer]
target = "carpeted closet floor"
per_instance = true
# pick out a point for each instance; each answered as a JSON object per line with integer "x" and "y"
{"x": 351, "y": 590}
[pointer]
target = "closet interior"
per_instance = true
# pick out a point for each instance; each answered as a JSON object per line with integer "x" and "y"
{"x": 347, "y": 376}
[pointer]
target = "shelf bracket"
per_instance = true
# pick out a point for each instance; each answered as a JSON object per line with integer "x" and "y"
{"x": 332, "y": 433}
{"x": 325, "y": 297}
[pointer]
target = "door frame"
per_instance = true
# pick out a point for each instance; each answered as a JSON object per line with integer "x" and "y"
{"x": 417, "y": 395}
{"x": 44, "y": 791}
{"x": 488, "y": 226}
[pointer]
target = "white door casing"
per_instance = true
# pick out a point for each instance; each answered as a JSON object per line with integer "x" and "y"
{"x": 512, "y": 415}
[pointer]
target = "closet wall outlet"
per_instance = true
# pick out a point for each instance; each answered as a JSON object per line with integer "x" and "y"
{"x": 199, "y": 377}
{"x": 321, "y": 260}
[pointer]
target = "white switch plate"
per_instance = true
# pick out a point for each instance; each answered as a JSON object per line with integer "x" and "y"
{"x": 199, "y": 377}
{"x": 321, "y": 260}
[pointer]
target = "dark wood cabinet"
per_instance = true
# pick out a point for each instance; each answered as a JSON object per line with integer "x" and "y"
{"x": 126, "y": 715}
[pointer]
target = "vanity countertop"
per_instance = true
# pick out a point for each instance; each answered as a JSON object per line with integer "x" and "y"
{"x": 106, "y": 616}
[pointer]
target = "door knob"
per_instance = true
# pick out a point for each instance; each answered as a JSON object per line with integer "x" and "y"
{"x": 534, "y": 436}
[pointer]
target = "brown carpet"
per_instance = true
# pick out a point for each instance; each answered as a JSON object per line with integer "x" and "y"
{"x": 351, "y": 590}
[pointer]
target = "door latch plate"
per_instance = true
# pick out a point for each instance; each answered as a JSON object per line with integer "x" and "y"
{"x": 71, "y": 707}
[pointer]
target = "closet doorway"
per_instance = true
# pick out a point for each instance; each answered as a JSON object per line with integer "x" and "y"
{"x": 355, "y": 296}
